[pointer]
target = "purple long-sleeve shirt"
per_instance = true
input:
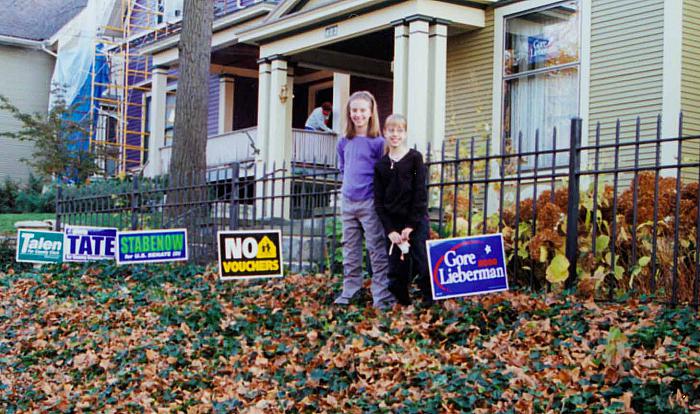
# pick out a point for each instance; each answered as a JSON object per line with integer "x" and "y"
{"x": 356, "y": 159}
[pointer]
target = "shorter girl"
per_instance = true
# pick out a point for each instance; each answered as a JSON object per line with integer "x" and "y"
{"x": 401, "y": 200}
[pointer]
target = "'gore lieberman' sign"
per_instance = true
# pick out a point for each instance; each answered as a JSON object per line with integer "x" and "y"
{"x": 467, "y": 266}
{"x": 82, "y": 244}
{"x": 249, "y": 254}
{"x": 35, "y": 246}
{"x": 151, "y": 246}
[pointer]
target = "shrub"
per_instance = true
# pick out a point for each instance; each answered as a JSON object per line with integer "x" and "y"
{"x": 8, "y": 196}
{"x": 28, "y": 198}
{"x": 540, "y": 256}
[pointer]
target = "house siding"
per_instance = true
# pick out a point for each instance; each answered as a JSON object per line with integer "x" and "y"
{"x": 626, "y": 73}
{"x": 690, "y": 76}
{"x": 470, "y": 83}
{"x": 26, "y": 82}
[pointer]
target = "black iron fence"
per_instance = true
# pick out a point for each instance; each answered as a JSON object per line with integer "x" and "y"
{"x": 636, "y": 214}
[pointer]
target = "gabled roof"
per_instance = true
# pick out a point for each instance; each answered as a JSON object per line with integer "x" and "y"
{"x": 286, "y": 7}
{"x": 36, "y": 19}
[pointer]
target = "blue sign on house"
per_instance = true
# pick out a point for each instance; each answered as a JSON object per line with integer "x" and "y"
{"x": 151, "y": 246}
{"x": 537, "y": 49}
{"x": 466, "y": 266}
{"x": 84, "y": 244}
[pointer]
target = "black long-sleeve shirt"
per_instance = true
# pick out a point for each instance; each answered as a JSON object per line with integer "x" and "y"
{"x": 400, "y": 191}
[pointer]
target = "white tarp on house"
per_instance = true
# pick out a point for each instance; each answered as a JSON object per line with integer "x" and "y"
{"x": 76, "y": 48}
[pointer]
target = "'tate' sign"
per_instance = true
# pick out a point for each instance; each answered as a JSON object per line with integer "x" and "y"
{"x": 466, "y": 266}
{"x": 151, "y": 246}
{"x": 83, "y": 244}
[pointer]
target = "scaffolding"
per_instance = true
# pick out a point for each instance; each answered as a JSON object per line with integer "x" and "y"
{"x": 118, "y": 102}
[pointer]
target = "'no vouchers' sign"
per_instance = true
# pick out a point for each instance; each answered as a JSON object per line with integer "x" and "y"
{"x": 249, "y": 254}
{"x": 83, "y": 244}
{"x": 151, "y": 246}
{"x": 466, "y": 266}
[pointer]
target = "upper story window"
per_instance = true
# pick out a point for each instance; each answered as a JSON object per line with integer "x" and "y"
{"x": 541, "y": 78}
{"x": 169, "y": 10}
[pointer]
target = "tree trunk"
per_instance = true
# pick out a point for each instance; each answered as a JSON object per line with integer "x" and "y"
{"x": 188, "y": 161}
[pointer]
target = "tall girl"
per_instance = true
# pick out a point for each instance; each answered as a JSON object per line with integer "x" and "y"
{"x": 358, "y": 151}
{"x": 401, "y": 200}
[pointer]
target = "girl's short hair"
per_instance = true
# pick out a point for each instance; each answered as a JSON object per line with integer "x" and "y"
{"x": 395, "y": 119}
{"x": 373, "y": 129}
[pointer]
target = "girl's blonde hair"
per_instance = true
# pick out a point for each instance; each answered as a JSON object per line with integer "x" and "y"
{"x": 373, "y": 130}
{"x": 398, "y": 120}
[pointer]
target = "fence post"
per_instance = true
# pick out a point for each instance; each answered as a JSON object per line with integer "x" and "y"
{"x": 134, "y": 203}
{"x": 233, "y": 205}
{"x": 59, "y": 194}
{"x": 573, "y": 207}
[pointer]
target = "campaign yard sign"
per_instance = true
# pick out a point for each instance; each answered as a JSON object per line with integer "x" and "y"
{"x": 151, "y": 246}
{"x": 38, "y": 246}
{"x": 466, "y": 266}
{"x": 249, "y": 254}
{"x": 83, "y": 244}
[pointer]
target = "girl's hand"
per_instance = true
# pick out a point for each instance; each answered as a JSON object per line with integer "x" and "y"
{"x": 405, "y": 233}
{"x": 395, "y": 237}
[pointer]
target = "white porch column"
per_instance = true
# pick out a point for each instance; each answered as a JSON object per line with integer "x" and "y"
{"x": 156, "y": 116}
{"x": 226, "y": 92}
{"x": 418, "y": 73}
{"x": 400, "y": 67}
{"x": 341, "y": 93}
{"x": 279, "y": 146}
{"x": 263, "y": 108}
{"x": 438, "y": 84}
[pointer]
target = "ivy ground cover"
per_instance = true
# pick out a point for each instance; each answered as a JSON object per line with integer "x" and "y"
{"x": 174, "y": 339}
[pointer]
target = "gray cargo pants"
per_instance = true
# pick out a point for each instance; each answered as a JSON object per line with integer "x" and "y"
{"x": 360, "y": 217}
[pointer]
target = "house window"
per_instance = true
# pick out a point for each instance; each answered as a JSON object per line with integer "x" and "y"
{"x": 169, "y": 118}
{"x": 541, "y": 78}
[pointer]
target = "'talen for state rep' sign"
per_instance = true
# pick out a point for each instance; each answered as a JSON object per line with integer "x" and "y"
{"x": 151, "y": 246}
{"x": 467, "y": 266}
{"x": 35, "y": 246}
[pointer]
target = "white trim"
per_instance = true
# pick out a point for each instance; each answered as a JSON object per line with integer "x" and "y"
{"x": 21, "y": 42}
{"x": 220, "y": 24}
{"x": 311, "y": 103}
{"x": 584, "y": 65}
{"x": 672, "y": 68}
{"x": 373, "y": 21}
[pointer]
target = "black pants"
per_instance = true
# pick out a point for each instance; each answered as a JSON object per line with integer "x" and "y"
{"x": 402, "y": 272}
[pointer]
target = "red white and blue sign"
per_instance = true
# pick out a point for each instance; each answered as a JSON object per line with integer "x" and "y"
{"x": 84, "y": 244}
{"x": 465, "y": 266}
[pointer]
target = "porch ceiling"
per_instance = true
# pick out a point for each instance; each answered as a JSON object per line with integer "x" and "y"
{"x": 369, "y": 56}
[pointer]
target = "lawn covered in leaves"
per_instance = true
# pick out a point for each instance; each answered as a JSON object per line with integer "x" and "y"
{"x": 173, "y": 338}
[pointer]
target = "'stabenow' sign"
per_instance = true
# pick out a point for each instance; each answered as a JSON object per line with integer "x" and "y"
{"x": 466, "y": 266}
{"x": 151, "y": 246}
{"x": 83, "y": 244}
{"x": 35, "y": 246}
{"x": 250, "y": 254}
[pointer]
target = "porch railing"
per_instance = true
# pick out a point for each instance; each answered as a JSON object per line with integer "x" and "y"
{"x": 235, "y": 146}
{"x": 313, "y": 147}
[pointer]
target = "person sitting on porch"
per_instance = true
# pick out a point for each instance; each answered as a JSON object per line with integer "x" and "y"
{"x": 318, "y": 119}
